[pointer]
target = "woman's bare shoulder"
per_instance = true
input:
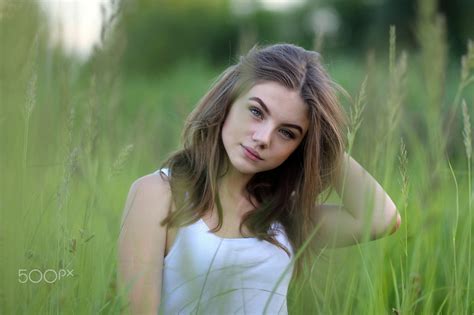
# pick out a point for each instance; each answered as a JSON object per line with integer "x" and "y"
{"x": 142, "y": 241}
{"x": 152, "y": 182}
{"x": 149, "y": 196}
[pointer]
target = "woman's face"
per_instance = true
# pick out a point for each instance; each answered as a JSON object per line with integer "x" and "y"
{"x": 263, "y": 127}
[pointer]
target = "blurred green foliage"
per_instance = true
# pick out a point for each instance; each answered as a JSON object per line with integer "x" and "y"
{"x": 161, "y": 33}
{"x": 73, "y": 137}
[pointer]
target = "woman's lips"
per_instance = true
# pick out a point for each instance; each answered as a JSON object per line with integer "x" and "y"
{"x": 251, "y": 154}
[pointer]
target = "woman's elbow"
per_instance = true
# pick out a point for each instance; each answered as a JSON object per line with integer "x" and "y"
{"x": 394, "y": 223}
{"x": 389, "y": 226}
{"x": 397, "y": 223}
{"x": 393, "y": 217}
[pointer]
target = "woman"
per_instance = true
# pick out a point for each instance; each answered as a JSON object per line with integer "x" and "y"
{"x": 216, "y": 229}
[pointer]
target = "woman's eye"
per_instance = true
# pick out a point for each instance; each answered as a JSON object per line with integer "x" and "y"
{"x": 256, "y": 112}
{"x": 287, "y": 134}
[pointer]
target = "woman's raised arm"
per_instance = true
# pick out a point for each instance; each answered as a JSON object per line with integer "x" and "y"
{"x": 142, "y": 243}
{"x": 365, "y": 207}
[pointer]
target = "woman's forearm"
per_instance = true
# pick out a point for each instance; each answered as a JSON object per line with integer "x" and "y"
{"x": 364, "y": 199}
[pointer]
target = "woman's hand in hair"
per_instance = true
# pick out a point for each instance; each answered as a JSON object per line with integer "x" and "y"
{"x": 366, "y": 213}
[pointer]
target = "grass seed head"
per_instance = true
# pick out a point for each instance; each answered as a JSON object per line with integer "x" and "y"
{"x": 122, "y": 158}
{"x": 467, "y": 130}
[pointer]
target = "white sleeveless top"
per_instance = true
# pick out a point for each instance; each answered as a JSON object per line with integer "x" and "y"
{"x": 207, "y": 274}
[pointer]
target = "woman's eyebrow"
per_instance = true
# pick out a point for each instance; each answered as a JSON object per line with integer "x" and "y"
{"x": 265, "y": 109}
{"x": 258, "y": 100}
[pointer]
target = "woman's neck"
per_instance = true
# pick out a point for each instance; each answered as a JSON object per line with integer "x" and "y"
{"x": 232, "y": 192}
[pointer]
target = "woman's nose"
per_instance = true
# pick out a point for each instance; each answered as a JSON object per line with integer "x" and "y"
{"x": 262, "y": 135}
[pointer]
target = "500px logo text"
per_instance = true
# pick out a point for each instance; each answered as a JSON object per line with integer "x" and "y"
{"x": 48, "y": 275}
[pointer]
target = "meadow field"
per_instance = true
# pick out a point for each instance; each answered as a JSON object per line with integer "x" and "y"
{"x": 74, "y": 137}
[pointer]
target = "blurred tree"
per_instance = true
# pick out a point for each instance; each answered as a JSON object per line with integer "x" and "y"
{"x": 161, "y": 33}
{"x": 459, "y": 15}
{"x": 365, "y": 24}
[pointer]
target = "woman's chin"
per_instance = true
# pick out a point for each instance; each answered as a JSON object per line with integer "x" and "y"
{"x": 244, "y": 168}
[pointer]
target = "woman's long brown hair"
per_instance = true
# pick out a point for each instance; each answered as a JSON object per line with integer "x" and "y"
{"x": 288, "y": 194}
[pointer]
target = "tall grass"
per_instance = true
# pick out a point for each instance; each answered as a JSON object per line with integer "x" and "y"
{"x": 467, "y": 237}
{"x": 74, "y": 137}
